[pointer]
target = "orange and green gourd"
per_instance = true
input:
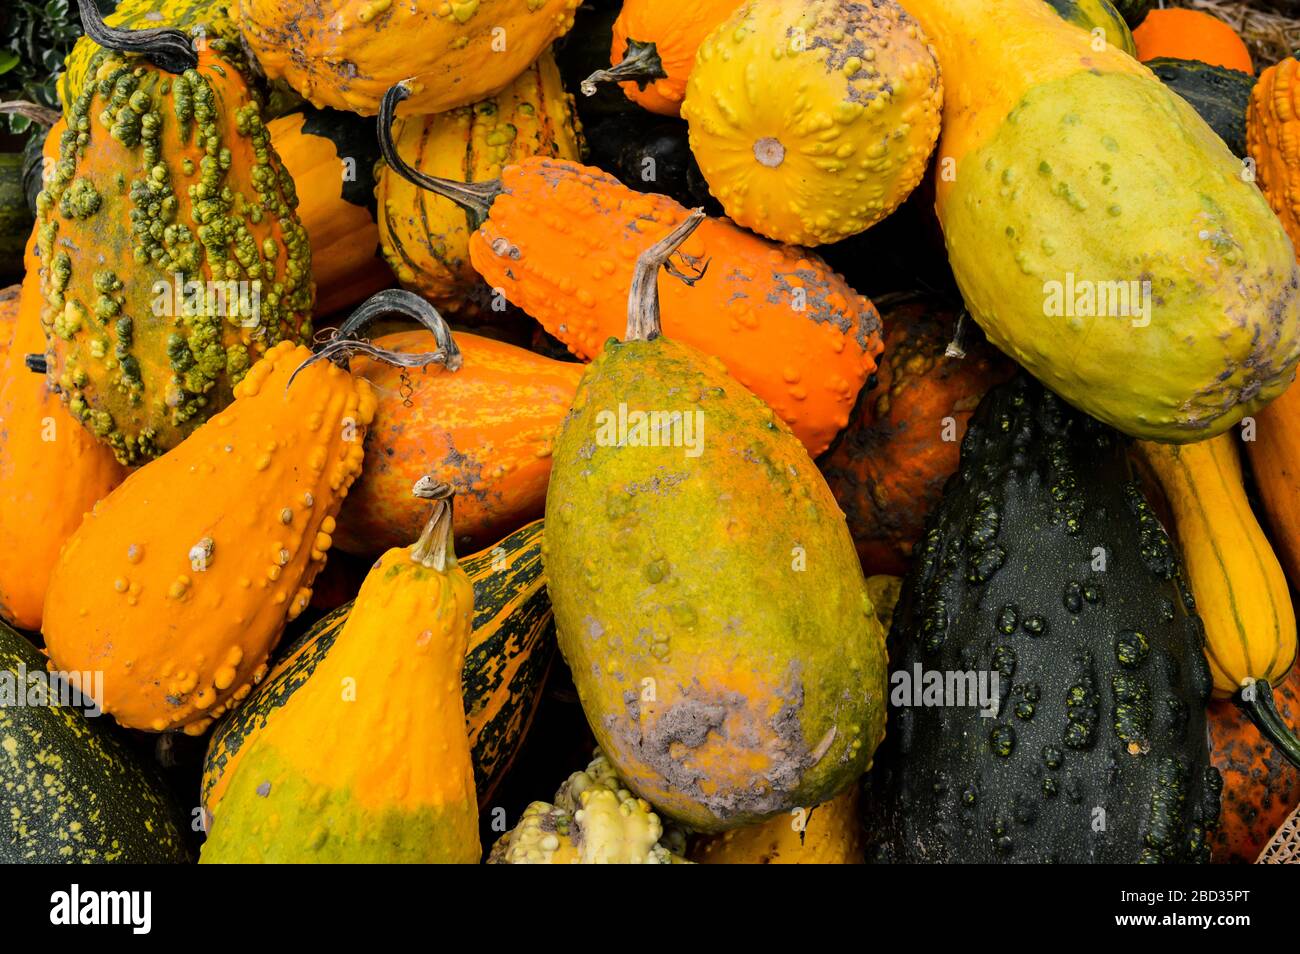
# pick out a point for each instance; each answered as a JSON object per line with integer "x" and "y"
{"x": 707, "y": 595}
{"x": 52, "y": 470}
{"x": 1099, "y": 18}
{"x": 1095, "y": 224}
{"x": 172, "y": 254}
{"x": 653, "y": 50}
{"x": 560, "y": 240}
{"x": 426, "y": 237}
{"x": 829, "y": 834}
{"x": 1185, "y": 34}
{"x": 369, "y": 761}
{"x": 180, "y": 582}
{"x": 594, "y": 820}
{"x": 1273, "y": 141}
{"x": 812, "y": 120}
{"x": 346, "y": 53}
{"x": 486, "y": 429}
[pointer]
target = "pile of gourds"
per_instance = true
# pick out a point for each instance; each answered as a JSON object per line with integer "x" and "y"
{"x": 775, "y": 529}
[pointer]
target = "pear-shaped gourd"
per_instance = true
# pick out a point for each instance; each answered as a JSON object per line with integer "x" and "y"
{"x": 369, "y": 761}
{"x": 1102, "y": 234}
{"x": 707, "y": 595}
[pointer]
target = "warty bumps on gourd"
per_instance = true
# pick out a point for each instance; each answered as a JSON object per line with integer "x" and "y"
{"x": 1063, "y": 165}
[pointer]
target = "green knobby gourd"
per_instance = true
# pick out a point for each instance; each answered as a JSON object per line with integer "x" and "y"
{"x": 707, "y": 595}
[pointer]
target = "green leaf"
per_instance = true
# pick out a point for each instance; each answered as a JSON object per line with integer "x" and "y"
{"x": 8, "y": 60}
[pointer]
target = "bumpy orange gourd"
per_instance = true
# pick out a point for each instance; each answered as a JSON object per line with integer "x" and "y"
{"x": 345, "y": 53}
{"x": 1191, "y": 35}
{"x": 1273, "y": 141}
{"x": 561, "y": 241}
{"x": 654, "y": 48}
{"x": 180, "y": 582}
{"x": 830, "y": 834}
{"x": 485, "y": 429}
{"x": 1274, "y": 456}
{"x": 889, "y": 466}
{"x": 52, "y": 470}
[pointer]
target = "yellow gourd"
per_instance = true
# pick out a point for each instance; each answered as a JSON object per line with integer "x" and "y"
{"x": 829, "y": 834}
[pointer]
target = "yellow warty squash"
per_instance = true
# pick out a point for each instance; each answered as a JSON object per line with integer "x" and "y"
{"x": 814, "y": 119}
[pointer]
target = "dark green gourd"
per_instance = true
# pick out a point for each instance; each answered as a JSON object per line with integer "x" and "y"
{"x": 1045, "y": 564}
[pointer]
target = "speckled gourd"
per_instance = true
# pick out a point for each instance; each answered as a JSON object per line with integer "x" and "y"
{"x": 561, "y": 239}
{"x": 346, "y": 53}
{"x": 594, "y": 820}
{"x": 426, "y": 237}
{"x": 829, "y": 834}
{"x": 813, "y": 119}
{"x": 369, "y": 761}
{"x": 1088, "y": 247}
{"x": 707, "y": 596}
{"x": 173, "y": 255}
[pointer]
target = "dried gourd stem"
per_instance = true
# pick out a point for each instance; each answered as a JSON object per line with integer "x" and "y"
{"x": 643, "y": 300}
{"x": 640, "y": 64}
{"x": 475, "y": 198}
{"x": 957, "y": 346}
{"x": 1256, "y": 700}
{"x": 346, "y": 341}
{"x": 41, "y": 115}
{"x": 434, "y": 548}
{"x": 168, "y": 49}
{"x": 36, "y": 363}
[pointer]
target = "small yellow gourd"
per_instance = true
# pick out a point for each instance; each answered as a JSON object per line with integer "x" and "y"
{"x": 830, "y": 834}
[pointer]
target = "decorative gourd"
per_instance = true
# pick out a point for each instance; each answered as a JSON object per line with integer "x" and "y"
{"x": 884, "y": 591}
{"x": 72, "y": 792}
{"x": 653, "y": 50}
{"x": 1273, "y": 141}
{"x": 52, "y": 470}
{"x": 784, "y": 325}
{"x": 829, "y": 834}
{"x": 1101, "y": 679}
{"x": 425, "y": 237}
{"x": 202, "y": 21}
{"x": 180, "y": 582}
{"x": 595, "y": 820}
{"x": 172, "y": 254}
{"x": 719, "y": 707}
{"x": 1150, "y": 216}
{"x": 331, "y": 157}
{"x": 1260, "y": 785}
{"x": 1274, "y": 454}
{"x": 1092, "y": 15}
{"x": 369, "y": 762}
{"x": 9, "y": 298}
{"x": 1240, "y": 589}
{"x": 506, "y": 664}
{"x": 346, "y": 53}
{"x": 1186, "y": 34}
{"x": 486, "y": 430}
{"x": 812, "y": 120}
{"x": 1221, "y": 96}
{"x": 888, "y": 468}
{"x": 1134, "y": 11}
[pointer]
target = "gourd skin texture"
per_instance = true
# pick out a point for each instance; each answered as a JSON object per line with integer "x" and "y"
{"x": 486, "y": 429}
{"x": 180, "y": 582}
{"x": 338, "y": 214}
{"x": 347, "y": 53}
{"x": 1191, "y": 35}
{"x": 676, "y": 32}
{"x": 426, "y": 237}
{"x": 51, "y": 469}
{"x": 136, "y": 202}
{"x": 1102, "y": 682}
{"x": 386, "y": 775}
{"x": 889, "y": 466}
{"x": 813, "y": 145}
{"x": 1049, "y": 186}
{"x": 1273, "y": 141}
{"x": 1091, "y": 14}
{"x": 71, "y": 791}
{"x": 1275, "y": 462}
{"x": 1221, "y": 96}
{"x": 785, "y": 325}
{"x": 831, "y": 834}
{"x": 686, "y": 571}
{"x": 1240, "y": 589}
{"x": 506, "y": 664}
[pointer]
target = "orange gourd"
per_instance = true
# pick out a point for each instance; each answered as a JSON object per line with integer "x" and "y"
{"x": 889, "y": 466}
{"x": 486, "y": 430}
{"x": 1191, "y": 35}
{"x": 181, "y": 581}
{"x": 52, "y": 470}
{"x": 830, "y": 834}
{"x": 1274, "y": 455}
{"x": 654, "y": 48}
{"x": 1273, "y": 141}
{"x": 561, "y": 240}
